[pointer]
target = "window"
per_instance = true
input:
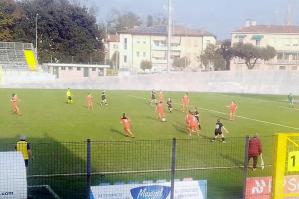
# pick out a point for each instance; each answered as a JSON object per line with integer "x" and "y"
{"x": 138, "y": 42}
{"x": 125, "y": 58}
{"x": 126, "y": 43}
{"x": 62, "y": 68}
{"x": 86, "y": 72}
{"x": 70, "y": 68}
{"x": 115, "y": 46}
{"x": 144, "y": 54}
{"x": 93, "y": 69}
{"x": 279, "y": 56}
{"x": 144, "y": 42}
{"x": 282, "y": 67}
{"x": 257, "y": 42}
{"x": 137, "y": 53}
{"x": 78, "y": 68}
{"x": 241, "y": 39}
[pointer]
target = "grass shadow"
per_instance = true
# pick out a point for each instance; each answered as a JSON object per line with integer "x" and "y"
{"x": 58, "y": 165}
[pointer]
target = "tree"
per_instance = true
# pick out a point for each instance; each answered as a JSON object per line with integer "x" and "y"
{"x": 181, "y": 63}
{"x": 227, "y": 52}
{"x": 119, "y": 21}
{"x": 212, "y": 58}
{"x": 114, "y": 61}
{"x": 252, "y": 54}
{"x": 146, "y": 65}
{"x": 150, "y": 21}
{"x": 66, "y": 32}
{"x": 9, "y": 15}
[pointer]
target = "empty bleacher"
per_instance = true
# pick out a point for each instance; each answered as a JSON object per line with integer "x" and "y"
{"x": 12, "y": 55}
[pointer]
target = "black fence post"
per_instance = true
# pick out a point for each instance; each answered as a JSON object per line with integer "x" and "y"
{"x": 88, "y": 167}
{"x": 173, "y": 167}
{"x": 245, "y": 169}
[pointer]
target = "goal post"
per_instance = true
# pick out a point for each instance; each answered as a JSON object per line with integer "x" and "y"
{"x": 286, "y": 163}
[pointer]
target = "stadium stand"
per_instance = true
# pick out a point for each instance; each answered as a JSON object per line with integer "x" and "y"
{"x": 17, "y": 56}
{"x": 18, "y": 65}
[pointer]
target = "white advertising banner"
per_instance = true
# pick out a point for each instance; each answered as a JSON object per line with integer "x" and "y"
{"x": 183, "y": 190}
{"x": 13, "y": 181}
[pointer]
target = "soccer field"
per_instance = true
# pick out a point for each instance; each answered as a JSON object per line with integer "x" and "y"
{"x": 47, "y": 118}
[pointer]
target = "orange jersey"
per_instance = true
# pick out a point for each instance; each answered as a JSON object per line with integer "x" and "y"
{"x": 89, "y": 99}
{"x": 14, "y": 100}
{"x": 125, "y": 122}
{"x": 160, "y": 108}
{"x": 185, "y": 99}
{"x": 188, "y": 119}
{"x": 233, "y": 107}
{"x": 193, "y": 122}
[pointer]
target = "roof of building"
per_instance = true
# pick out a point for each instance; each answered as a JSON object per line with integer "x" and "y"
{"x": 162, "y": 30}
{"x": 269, "y": 29}
{"x": 112, "y": 38}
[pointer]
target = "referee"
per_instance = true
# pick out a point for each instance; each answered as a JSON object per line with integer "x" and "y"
{"x": 23, "y": 147}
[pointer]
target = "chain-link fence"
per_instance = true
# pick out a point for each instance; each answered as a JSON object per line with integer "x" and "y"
{"x": 103, "y": 169}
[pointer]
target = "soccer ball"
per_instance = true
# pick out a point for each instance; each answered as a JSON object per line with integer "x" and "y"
{"x": 163, "y": 119}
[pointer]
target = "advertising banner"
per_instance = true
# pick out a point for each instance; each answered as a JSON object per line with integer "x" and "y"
{"x": 183, "y": 190}
{"x": 13, "y": 181}
{"x": 260, "y": 187}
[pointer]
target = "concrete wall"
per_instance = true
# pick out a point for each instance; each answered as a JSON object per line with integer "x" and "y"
{"x": 270, "y": 82}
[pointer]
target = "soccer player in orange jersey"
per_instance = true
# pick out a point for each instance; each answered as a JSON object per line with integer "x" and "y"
{"x": 188, "y": 121}
{"x": 89, "y": 102}
{"x": 160, "y": 111}
{"x": 194, "y": 125}
{"x": 185, "y": 102}
{"x": 232, "y": 110}
{"x": 125, "y": 121}
{"x": 15, "y": 104}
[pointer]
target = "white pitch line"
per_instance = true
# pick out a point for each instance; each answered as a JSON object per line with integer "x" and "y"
{"x": 239, "y": 116}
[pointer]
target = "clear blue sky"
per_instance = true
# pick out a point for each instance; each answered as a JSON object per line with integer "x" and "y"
{"x": 219, "y": 17}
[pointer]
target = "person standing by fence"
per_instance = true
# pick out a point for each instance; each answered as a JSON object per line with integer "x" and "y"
{"x": 23, "y": 147}
{"x": 254, "y": 150}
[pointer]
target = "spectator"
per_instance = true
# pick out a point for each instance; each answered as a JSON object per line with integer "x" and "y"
{"x": 24, "y": 147}
{"x": 254, "y": 150}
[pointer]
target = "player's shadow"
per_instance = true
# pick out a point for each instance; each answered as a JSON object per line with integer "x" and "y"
{"x": 117, "y": 131}
{"x": 180, "y": 128}
{"x": 151, "y": 118}
{"x": 232, "y": 159}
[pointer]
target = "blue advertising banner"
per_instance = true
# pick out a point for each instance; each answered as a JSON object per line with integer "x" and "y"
{"x": 183, "y": 190}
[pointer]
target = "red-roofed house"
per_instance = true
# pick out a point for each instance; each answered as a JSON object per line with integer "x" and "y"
{"x": 285, "y": 39}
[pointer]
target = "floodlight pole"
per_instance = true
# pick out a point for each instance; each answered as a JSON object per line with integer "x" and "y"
{"x": 169, "y": 36}
{"x": 36, "y": 16}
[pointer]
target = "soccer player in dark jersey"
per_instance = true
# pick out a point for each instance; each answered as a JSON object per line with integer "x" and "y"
{"x": 169, "y": 105}
{"x": 103, "y": 99}
{"x": 196, "y": 114}
{"x": 218, "y": 131}
{"x": 153, "y": 100}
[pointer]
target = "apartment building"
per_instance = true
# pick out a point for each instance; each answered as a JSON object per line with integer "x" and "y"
{"x": 150, "y": 44}
{"x": 285, "y": 39}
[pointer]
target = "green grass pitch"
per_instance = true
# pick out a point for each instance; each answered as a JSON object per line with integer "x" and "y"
{"x": 47, "y": 118}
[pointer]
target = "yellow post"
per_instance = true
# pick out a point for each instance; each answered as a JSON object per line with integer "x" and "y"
{"x": 279, "y": 166}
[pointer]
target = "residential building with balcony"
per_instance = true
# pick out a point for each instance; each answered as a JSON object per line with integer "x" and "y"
{"x": 150, "y": 44}
{"x": 285, "y": 40}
